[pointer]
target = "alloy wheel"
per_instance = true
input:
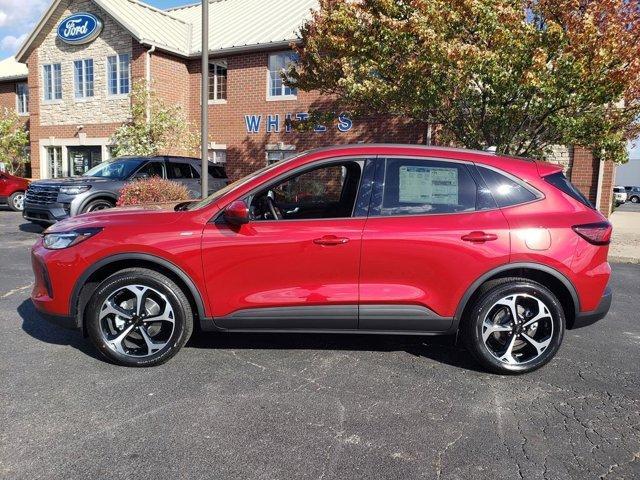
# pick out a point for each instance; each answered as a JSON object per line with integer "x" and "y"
{"x": 99, "y": 205}
{"x": 137, "y": 321}
{"x": 18, "y": 201}
{"x": 518, "y": 329}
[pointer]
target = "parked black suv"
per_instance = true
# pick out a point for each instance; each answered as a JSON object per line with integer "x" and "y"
{"x": 48, "y": 201}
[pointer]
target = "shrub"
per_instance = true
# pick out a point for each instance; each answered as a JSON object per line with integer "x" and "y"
{"x": 152, "y": 191}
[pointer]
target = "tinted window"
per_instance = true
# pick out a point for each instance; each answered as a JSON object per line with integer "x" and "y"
{"x": 179, "y": 170}
{"x": 116, "y": 169}
{"x": 151, "y": 169}
{"x": 217, "y": 171}
{"x": 561, "y": 182}
{"x": 418, "y": 187}
{"x": 506, "y": 191}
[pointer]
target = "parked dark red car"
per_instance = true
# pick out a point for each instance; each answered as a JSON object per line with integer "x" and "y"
{"x": 379, "y": 239}
{"x": 12, "y": 190}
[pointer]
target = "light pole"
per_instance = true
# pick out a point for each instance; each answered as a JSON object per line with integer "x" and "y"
{"x": 204, "y": 101}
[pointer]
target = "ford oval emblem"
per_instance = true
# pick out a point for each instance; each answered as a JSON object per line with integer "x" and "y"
{"x": 79, "y": 28}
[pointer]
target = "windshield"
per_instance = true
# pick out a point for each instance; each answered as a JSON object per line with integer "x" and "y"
{"x": 232, "y": 186}
{"x": 115, "y": 169}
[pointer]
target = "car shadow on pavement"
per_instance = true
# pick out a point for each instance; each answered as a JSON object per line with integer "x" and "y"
{"x": 37, "y": 327}
{"x": 30, "y": 228}
{"x": 441, "y": 349}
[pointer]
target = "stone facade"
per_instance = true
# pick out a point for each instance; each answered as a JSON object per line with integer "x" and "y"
{"x": 101, "y": 108}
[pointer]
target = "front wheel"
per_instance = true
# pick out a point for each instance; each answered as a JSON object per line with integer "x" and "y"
{"x": 515, "y": 325}
{"x": 97, "y": 205}
{"x": 635, "y": 199}
{"x": 16, "y": 201}
{"x": 138, "y": 318}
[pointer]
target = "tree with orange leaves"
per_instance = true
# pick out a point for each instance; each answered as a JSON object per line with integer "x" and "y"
{"x": 517, "y": 75}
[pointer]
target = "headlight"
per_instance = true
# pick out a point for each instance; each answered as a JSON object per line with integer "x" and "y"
{"x": 58, "y": 241}
{"x": 75, "y": 190}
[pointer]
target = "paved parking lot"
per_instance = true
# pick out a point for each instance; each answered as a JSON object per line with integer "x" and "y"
{"x": 311, "y": 406}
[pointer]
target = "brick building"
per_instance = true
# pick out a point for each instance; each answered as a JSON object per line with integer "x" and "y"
{"x": 73, "y": 77}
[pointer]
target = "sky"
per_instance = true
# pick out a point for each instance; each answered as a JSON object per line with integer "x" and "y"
{"x": 18, "y": 17}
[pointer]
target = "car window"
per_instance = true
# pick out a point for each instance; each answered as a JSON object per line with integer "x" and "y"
{"x": 194, "y": 172}
{"x": 217, "y": 171}
{"x": 561, "y": 182}
{"x": 179, "y": 170}
{"x": 505, "y": 190}
{"x": 422, "y": 186}
{"x": 325, "y": 192}
{"x": 151, "y": 169}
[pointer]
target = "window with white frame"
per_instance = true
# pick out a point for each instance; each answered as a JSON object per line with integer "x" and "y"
{"x": 22, "y": 98}
{"x": 218, "y": 81}
{"x": 83, "y": 78}
{"x": 52, "y": 82}
{"x": 119, "y": 74}
{"x": 277, "y": 154}
{"x": 217, "y": 155}
{"x": 279, "y": 64}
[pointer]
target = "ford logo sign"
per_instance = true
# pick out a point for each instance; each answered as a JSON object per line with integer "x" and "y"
{"x": 79, "y": 28}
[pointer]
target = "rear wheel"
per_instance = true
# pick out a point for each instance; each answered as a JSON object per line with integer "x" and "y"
{"x": 635, "y": 199}
{"x": 515, "y": 325}
{"x": 16, "y": 201}
{"x": 139, "y": 318}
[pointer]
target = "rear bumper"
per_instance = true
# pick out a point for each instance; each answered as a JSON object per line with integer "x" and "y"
{"x": 584, "y": 319}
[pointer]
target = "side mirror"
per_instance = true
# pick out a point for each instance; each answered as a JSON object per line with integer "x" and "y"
{"x": 237, "y": 213}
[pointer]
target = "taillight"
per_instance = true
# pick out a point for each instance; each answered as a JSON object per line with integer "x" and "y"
{"x": 595, "y": 233}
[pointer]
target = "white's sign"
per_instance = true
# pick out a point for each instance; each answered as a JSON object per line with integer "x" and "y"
{"x": 276, "y": 123}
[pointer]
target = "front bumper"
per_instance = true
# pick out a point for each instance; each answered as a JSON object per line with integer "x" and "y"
{"x": 64, "y": 321}
{"x": 50, "y": 213}
{"x": 584, "y": 319}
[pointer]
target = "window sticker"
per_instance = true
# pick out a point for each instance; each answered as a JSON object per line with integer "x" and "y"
{"x": 433, "y": 185}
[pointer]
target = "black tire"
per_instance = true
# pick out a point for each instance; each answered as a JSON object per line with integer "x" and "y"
{"x": 174, "y": 296}
{"x": 635, "y": 199}
{"x": 14, "y": 201}
{"x": 485, "y": 303}
{"x": 97, "y": 205}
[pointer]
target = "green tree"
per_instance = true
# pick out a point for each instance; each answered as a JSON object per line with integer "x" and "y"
{"x": 14, "y": 139}
{"x": 518, "y": 75}
{"x": 154, "y": 127}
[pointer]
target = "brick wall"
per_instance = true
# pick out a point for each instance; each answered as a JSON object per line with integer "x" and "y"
{"x": 584, "y": 175}
{"x": 8, "y": 97}
{"x": 246, "y": 95}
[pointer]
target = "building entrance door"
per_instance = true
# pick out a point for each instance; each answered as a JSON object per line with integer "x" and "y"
{"x": 82, "y": 159}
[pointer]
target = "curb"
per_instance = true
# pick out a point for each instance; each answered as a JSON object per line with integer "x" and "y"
{"x": 616, "y": 259}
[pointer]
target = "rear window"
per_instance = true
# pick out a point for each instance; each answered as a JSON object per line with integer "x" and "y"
{"x": 506, "y": 191}
{"x": 561, "y": 182}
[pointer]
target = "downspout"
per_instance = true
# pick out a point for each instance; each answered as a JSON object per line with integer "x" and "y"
{"x": 148, "y": 81}
{"x": 599, "y": 188}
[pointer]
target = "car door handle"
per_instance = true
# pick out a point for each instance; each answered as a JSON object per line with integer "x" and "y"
{"x": 330, "y": 240}
{"x": 295, "y": 210}
{"x": 479, "y": 237}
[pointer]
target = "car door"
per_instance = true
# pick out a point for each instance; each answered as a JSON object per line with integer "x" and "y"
{"x": 4, "y": 186}
{"x": 431, "y": 232}
{"x": 291, "y": 270}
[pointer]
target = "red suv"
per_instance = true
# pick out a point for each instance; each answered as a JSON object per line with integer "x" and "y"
{"x": 12, "y": 191}
{"x": 384, "y": 239}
